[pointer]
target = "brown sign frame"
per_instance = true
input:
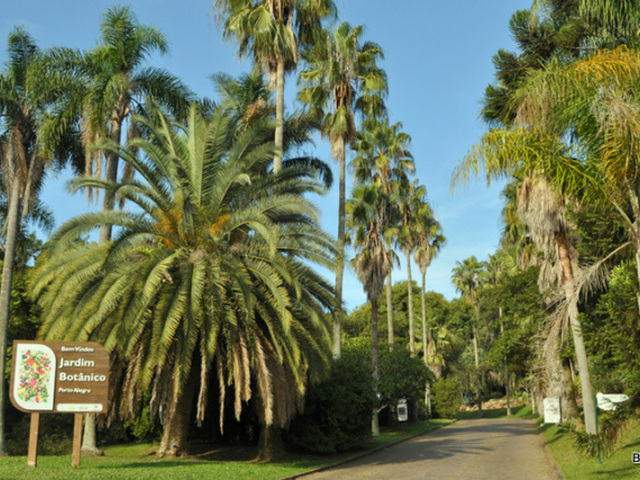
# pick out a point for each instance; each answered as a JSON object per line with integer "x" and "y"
{"x": 59, "y": 377}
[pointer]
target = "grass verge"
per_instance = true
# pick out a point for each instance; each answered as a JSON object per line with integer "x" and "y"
{"x": 573, "y": 465}
{"x": 137, "y": 461}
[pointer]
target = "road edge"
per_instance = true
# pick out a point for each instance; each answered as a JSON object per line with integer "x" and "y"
{"x": 360, "y": 455}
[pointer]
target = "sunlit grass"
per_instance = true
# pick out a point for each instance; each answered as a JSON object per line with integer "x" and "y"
{"x": 573, "y": 465}
{"x": 138, "y": 461}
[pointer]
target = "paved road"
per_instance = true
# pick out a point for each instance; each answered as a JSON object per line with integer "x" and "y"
{"x": 468, "y": 449}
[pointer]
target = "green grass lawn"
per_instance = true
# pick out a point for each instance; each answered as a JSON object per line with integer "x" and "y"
{"x": 137, "y": 461}
{"x": 516, "y": 412}
{"x": 575, "y": 466}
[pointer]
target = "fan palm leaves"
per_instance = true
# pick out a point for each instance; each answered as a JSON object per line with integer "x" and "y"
{"x": 209, "y": 278}
{"x": 415, "y": 221}
{"x": 383, "y": 158}
{"x": 372, "y": 261}
{"x": 341, "y": 75}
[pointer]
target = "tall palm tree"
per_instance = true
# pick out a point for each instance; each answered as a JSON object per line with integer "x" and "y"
{"x": 498, "y": 266}
{"x": 536, "y": 157}
{"x": 372, "y": 261}
{"x": 430, "y": 241}
{"x": 416, "y": 219}
{"x": 383, "y": 158}
{"x": 113, "y": 85}
{"x": 467, "y": 277}
{"x": 341, "y": 76}
{"x": 208, "y": 281}
{"x": 29, "y": 141}
{"x": 272, "y": 31}
{"x": 115, "y": 82}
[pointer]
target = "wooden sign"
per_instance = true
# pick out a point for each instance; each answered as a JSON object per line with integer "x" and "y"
{"x": 62, "y": 377}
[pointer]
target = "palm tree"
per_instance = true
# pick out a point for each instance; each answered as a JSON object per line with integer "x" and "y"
{"x": 113, "y": 84}
{"x": 271, "y": 31}
{"x": 30, "y": 139}
{"x": 340, "y": 77}
{"x": 498, "y": 266}
{"x": 416, "y": 221}
{"x": 209, "y": 280}
{"x": 383, "y": 158}
{"x": 372, "y": 261}
{"x": 430, "y": 241}
{"x": 467, "y": 277}
{"x": 547, "y": 171}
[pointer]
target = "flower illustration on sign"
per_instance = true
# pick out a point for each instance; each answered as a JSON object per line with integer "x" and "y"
{"x": 35, "y": 376}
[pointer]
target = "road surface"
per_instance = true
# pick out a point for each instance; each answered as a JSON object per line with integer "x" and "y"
{"x": 468, "y": 449}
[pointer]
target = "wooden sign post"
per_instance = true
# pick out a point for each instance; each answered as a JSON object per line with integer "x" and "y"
{"x": 32, "y": 457}
{"x": 77, "y": 439}
{"x": 62, "y": 377}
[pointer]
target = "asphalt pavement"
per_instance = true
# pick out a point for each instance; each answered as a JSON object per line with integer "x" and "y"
{"x": 468, "y": 449}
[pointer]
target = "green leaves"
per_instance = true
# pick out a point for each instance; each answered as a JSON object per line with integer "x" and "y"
{"x": 214, "y": 263}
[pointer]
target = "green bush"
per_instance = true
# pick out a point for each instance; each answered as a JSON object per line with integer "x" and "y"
{"x": 55, "y": 435}
{"x": 447, "y": 397}
{"x": 403, "y": 376}
{"x": 337, "y": 412}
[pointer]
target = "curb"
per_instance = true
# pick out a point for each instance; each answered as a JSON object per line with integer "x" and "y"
{"x": 358, "y": 456}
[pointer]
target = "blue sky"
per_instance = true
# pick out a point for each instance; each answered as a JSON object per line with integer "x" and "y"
{"x": 438, "y": 60}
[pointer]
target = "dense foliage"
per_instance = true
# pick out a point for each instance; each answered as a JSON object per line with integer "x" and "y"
{"x": 337, "y": 411}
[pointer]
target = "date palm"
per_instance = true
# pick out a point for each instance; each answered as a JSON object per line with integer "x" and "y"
{"x": 113, "y": 84}
{"x": 272, "y": 32}
{"x": 340, "y": 77}
{"x": 210, "y": 280}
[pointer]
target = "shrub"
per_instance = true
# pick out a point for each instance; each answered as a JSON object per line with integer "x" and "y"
{"x": 447, "y": 397}
{"x": 337, "y": 412}
{"x": 402, "y": 376}
{"x": 55, "y": 435}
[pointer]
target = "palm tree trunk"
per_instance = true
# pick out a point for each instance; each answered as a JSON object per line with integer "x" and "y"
{"x": 390, "y": 333}
{"x": 13, "y": 226}
{"x": 506, "y": 368}
{"x": 278, "y": 141}
{"x": 109, "y": 199}
{"x": 271, "y": 447}
{"x": 578, "y": 340}
{"x": 412, "y": 326}
{"x": 174, "y": 442}
{"x": 425, "y": 342}
{"x": 375, "y": 426}
{"x": 425, "y": 337}
{"x": 89, "y": 441}
{"x": 337, "y": 326}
